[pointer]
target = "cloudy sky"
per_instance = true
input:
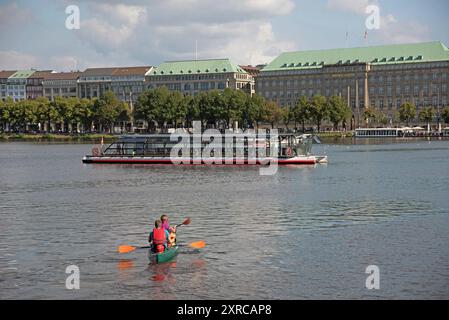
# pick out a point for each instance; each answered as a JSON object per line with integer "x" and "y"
{"x": 148, "y": 32}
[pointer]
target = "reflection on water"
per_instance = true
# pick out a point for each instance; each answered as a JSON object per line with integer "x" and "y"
{"x": 307, "y": 232}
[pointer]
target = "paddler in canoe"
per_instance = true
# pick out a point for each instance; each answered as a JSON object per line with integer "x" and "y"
{"x": 171, "y": 230}
{"x": 158, "y": 238}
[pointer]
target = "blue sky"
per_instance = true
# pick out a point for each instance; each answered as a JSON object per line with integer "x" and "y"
{"x": 147, "y": 32}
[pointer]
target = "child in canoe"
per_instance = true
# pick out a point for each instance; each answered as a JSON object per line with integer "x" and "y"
{"x": 158, "y": 238}
{"x": 171, "y": 230}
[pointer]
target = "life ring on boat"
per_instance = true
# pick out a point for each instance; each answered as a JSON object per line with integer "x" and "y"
{"x": 96, "y": 151}
{"x": 289, "y": 152}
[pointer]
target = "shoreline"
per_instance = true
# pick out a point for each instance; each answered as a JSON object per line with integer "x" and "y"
{"x": 112, "y": 137}
{"x": 109, "y": 138}
{"x": 4, "y": 137}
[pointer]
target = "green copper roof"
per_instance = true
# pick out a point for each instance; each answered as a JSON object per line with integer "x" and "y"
{"x": 196, "y": 66}
{"x": 22, "y": 74}
{"x": 378, "y": 55}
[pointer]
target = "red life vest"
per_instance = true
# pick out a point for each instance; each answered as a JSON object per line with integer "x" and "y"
{"x": 159, "y": 236}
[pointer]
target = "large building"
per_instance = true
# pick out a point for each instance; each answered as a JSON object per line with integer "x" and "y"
{"x": 127, "y": 82}
{"x": 4, "y": 76}
{"x": 62, "y": 84}
{"x": 34, "y": 88}
{"x": 16, "y": 84}
{"x": 193, "y": 76}
{"x": 383, "y": 77}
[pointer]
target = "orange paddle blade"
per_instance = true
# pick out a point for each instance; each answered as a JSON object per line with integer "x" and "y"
{"x": 186, "y": 221}
{"x": 126, "y": 249}
{"x": 198, "y": 245}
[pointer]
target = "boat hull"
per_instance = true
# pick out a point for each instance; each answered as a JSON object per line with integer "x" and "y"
{"x": 303, "y": 160}
{"x": 165, "y": 256}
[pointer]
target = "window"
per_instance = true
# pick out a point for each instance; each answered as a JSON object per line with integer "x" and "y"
{"x": 435, "y": 101}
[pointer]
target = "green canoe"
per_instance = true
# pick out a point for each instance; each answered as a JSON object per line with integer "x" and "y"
{"x": 165, "y": 256}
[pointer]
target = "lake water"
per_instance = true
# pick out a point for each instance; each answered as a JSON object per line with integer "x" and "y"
{"x": 306, "y": 232}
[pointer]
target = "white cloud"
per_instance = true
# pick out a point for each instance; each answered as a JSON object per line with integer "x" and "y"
{"x": 354, "y": 6}
{"x": 13, "y": 60}
{"x": 240, "y": 30}
{"x": 394, "y": 31}
{"x": 391, "y": 29}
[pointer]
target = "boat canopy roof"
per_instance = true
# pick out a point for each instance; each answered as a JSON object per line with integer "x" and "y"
{"x": 142, "y": 138}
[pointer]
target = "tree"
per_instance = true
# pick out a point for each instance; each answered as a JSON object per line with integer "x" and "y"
{"x": 209, "y": 109}
{"x": 177, "y": 108}
{"x": 302, "y": 112}
{"x": 369, "y": 114}
{"x": 445, "y": 115}
{"x": 407, "y": 112}
{"x": 151, "y": 106}
{"x": 5, "y": 110}
{"x": 381, "y": 118}
{"x": 339, "y": 111}
{"x": 58, "y": 111}
{"x": 319, "y": 110}
{"x": 108, "y": 109}
{"x": 256, "y": 109}
{"x": 231, "y": 106}
{"x": 193, "y": 111}
{"x": 271, "y": 113}
{"x": 286, "y": 116}
{"x": 41, "y": 112}
{"x": 7, "y": 116}
{"x": 426, "y": 115}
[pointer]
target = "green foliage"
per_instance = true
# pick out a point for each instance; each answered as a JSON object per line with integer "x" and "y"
{"x": 445, "y": 115}
{"x": 302, "y": 112}
{"x": 27, "y": 114}
{"x": 426, "y": 115}
{"x": 109, "y": 109}
{"x": 338, "y": 111}
{"x": 319, "y": 110}
{"x": 271, "y": 113}
{"x": 407, "y": 112}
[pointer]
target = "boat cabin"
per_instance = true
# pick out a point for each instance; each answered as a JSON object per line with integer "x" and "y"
{"x": 235, "y": 145}
{"x": 379, "y": 132}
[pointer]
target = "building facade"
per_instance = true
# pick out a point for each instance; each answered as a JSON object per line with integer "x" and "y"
{"x": 4, "y": 76}
{"x": 16, "y": 85}
{"x": 34, "y": 88}
{"x": 127, "y": 83}
{"x": 382, "y": 77}
{"x": 191, "y": 77}
{"x": 62, "y": 84}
